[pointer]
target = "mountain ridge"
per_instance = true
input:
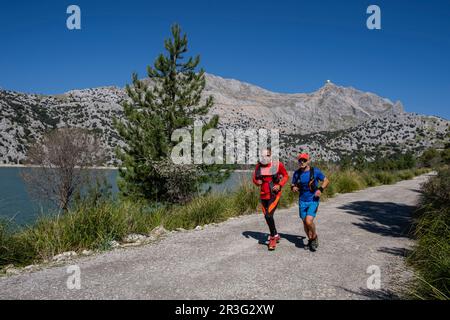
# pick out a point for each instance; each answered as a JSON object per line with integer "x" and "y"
{"x": 240, "y": 105}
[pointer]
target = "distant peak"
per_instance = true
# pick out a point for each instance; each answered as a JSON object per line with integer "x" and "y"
{"x": 328, "y": 85}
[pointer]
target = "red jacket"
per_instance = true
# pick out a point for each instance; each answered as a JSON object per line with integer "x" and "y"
{"x": 267, "y": 173}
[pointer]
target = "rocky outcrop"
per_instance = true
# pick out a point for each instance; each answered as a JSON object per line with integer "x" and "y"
{"x": 332, "y": 107}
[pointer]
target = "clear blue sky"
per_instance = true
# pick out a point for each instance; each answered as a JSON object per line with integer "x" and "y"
{"x": 283, "y": 46}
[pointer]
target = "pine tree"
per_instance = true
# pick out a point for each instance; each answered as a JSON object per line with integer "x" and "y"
{"x": 169, "y": 100}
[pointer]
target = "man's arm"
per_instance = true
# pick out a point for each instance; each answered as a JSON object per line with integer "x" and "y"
{"x": 325, "y": 183}
{"x": 294, "y": 182}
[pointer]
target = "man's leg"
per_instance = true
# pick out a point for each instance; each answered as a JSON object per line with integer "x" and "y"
{"x": 309, "y": 222}
{"x": 269, "y": 211}
{"x": 307, "y": 214}
{"x": 302, "y": 208}
{"x": 310, "y": 227}
{"x": 271, "y": 223}
{"x": 305, "y": 227}
{"x": 268, "y": 215}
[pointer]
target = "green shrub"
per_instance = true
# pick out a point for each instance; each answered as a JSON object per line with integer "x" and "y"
{"x": 5, "y": 243}
{"x": 348, "y": 181}
{"x": 13, "y": 249}
{"x": 430, "y": 157}
{"x": 431, "y": 254}
{"x": 330, "y": 191}
{"x": 288, "y": 197}
{"x": 200, "y": 211}
{"x": 246, "y": 198}
{"x": 369, "y": 179}
{"x": 405, "y": 175}
{"x": 384, "y": 177}
{"x": 420, "y": 171}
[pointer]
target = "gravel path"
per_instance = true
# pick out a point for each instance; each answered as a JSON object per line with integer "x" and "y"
{"x": 230, "y": 261}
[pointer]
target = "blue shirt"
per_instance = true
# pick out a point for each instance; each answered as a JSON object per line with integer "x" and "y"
{"x": 302, "y": 177}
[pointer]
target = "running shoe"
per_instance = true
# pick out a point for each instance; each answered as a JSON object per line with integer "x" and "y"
{"x": 272, "y": 243}
{"x": 314, "y": 244}
{"x": 308, "y": 245}
{"x": 277, "y": 238}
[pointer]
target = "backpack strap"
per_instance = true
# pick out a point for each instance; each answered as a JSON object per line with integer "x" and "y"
{"x": 312, "y": 180}
{"x": 258, "y": 172}
{"x": 275, "y": 177}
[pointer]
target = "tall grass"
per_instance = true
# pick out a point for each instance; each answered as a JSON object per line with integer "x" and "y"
{"x": 85, "y": 227}
{"x": 431, "y": 255}
{"x": 349, "y": 180}
{"x": 89, "y": 226}
{"x": 93, "y": 225}
{"x": 12, "y": 249}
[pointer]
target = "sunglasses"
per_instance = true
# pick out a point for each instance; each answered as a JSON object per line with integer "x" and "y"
{"x": 302, "y": 160}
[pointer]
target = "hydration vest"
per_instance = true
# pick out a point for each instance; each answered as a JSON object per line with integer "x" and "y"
{"x": 312, "y": 181}
{"x": 274, "y": 173}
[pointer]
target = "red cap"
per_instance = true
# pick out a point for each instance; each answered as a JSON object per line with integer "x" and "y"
{"x": 303, "y": 156}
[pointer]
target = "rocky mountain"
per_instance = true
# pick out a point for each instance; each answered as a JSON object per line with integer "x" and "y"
{"x": 327, "y": 109}
{"x": 25, "y": 117}
{"x": 404, "y": 132}
{"x": 329, "y": 122}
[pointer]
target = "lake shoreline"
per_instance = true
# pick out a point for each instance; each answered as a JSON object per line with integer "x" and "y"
{"x": 3, "y": 165}
{"x": 16, "y": 200}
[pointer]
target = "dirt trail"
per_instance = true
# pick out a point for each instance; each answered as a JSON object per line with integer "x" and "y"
{"x": 228, "y": 261}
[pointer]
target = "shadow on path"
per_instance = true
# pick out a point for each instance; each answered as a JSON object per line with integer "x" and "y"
{"x": 385, "y": 218}
{"x": 381, "y": 294}
{"x": 400, "y": 252}
{"x": 262, "y": 238}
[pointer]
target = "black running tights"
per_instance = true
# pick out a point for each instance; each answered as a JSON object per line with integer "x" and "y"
{"x": 269, "y": 218}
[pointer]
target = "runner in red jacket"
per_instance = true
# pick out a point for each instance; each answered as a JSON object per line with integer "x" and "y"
{"x": 271, "y": 176}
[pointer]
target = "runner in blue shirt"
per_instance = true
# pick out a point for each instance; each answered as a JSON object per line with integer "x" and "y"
{"x": 306, "y": 181}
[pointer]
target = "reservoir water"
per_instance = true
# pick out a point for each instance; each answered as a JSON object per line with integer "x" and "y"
{"x": 16, "y": 203}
